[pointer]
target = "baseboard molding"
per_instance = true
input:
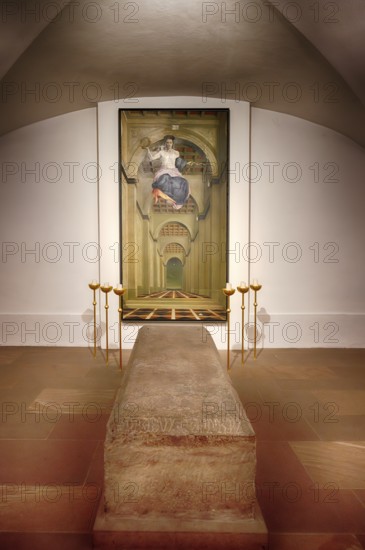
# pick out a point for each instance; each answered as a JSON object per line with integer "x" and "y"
{"x": 274, "y": 331}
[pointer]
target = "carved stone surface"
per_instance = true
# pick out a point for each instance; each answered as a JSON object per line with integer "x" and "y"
{"x": 180, "y": 451}
{"x": 178, "y": 439}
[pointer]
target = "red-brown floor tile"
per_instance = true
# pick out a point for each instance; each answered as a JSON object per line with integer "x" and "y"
{"x": 310, "y": 541}
{"x": 81, "y": 426}
{"x": 277, "y": 463}
{"x": 360, "y": 494}
{"x": 336, "y": 462}
{"x": 50, "y": 461}
{"x": 17, "y": 423}
{"x": 333, "y": 427}
{"x": 291, "y": 502}
{"x": 314, "y": 384}
{"x": 298, "y": 508}
{"x": 45, "y": 541}
{"x": 351, "y": 513}
{"x": 49, "y": 508}
{"x": 10, "y": 354}
{"x": 277, "y": 425}
{"x": 96, "y": 471}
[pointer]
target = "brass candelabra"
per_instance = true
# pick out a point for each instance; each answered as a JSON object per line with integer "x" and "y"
{"x": 106, "y": 288}
{"x": 228, "y": 291}
{"x": 243, "y": 289}
{"x": 94, "y": 287}
{"x": 119, "y": 291}
{"x": 255, "y": 287}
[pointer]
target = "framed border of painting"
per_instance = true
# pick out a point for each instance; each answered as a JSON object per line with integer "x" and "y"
{"x": 174, "y": 213}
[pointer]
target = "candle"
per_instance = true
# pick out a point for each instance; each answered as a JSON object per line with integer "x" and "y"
{"x": 228, "y": 286}
{"x": 243, "y": 284}
{"x": 106, "y": 284}
{"x": 255, "y": 283}
{"x": 120, "y": 286}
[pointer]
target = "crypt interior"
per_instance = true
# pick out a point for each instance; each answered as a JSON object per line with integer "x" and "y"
{"x": 276, "y": 196}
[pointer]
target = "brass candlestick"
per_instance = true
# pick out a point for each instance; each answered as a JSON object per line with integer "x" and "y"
{"x": 228, "y": 292}
{"x": 119, "y": 291}
{"x": 255, "y": 287}
{"x": 106, "y": 288}
{"x": 94, "y": 287}
{"x": 243, "y": 289}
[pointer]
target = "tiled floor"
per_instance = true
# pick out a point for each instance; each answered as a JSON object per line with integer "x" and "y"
{"x": 173, "y": 305}
{"x": 307, "y": 408}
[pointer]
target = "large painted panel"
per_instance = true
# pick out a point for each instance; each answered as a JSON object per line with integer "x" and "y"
{"x": 174, "y": 213}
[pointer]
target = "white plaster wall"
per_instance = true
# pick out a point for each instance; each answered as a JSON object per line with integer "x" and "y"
{"x": 317, "y": 300}
{"x": 53, "y": 212}
{"x": 312, "y": 197}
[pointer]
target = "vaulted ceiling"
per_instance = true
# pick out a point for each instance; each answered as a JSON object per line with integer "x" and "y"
{"x": 305, "y": 58}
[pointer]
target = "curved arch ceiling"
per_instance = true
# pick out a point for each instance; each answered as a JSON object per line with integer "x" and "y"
{"x": 309, "y": 65}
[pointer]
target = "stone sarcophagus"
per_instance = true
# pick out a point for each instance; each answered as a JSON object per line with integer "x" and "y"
{"x": 180, "y": 455}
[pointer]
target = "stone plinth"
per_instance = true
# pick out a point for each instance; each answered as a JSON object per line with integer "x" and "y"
{"x": 180, "y": 454}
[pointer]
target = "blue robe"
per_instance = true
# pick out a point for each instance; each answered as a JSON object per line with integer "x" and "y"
{"x": 175, "y": 187}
